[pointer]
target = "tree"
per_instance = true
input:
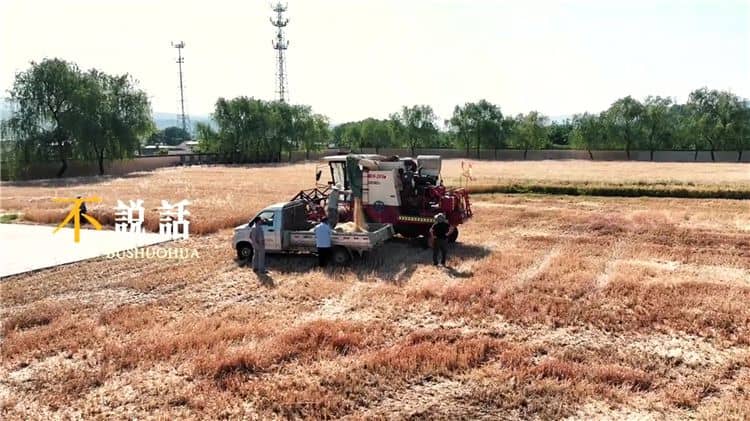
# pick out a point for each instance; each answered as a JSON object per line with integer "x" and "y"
{"x": 624, "y": 120}
{"x": 174, "y": 135}
{"x": 208, "y": 138}
{"x": 156, "y": 138}
{"x": 531, "y": 132}
{"x": 316, "y": 133}
{"x": 741, "y": 137}
{"x": 559, "y": 133}
{"x": 588, "y": 132}
{"x": 353, "y": 136}
{"x": 417, "y": 125}
{"x": 45, "y": 96}
{"x": 112, "y": 116}
{"x": 63, "y": 113}
{"x": 717, "y": 118}
{"x": 479, "y": 124}
{"x": 375, "y": 133}
{"x": 658, "y": 124}
{"x": 300, "y": 116}
{"x": 250, "y": 129}
{"x": 461, "y": 127}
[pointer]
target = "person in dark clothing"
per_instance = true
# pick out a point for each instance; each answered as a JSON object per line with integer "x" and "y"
{"x": 82, "y": 208}
{"x": 82, "y": 211}
{"x": 440, "y": 231}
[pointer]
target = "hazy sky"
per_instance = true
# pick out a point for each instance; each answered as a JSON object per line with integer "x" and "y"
{"x": 353, "y": 59}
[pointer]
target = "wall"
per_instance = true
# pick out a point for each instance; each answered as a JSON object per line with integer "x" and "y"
{"x": 537, "y": 155}
{"x": 89, "y": 168}
{"x": 147, "y": 163}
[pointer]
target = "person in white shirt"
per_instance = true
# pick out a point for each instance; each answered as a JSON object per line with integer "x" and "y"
{"x": 323, "y": 241}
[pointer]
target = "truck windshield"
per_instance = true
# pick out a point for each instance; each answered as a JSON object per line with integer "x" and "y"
{"x": 338, "y": 172}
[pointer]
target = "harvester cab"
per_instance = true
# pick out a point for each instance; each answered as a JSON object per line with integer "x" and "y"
{"x": 405, "y": 192}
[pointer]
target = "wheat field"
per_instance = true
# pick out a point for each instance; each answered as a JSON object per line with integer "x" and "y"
{"x": 552, "y": 307}
{"x": 226, "y": 196}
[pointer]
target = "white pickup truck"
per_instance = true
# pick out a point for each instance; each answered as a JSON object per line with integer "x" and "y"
{"x": 286, "y": 229}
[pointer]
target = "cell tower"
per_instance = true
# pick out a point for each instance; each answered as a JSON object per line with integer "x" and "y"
{"x": 179, "y": 46}
{"x": 280, "y": 45}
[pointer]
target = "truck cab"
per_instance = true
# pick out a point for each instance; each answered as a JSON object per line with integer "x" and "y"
{"x": 286, "y": 228}
{"x": 275, "y": 221}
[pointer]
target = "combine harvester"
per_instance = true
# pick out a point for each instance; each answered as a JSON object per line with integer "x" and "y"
{"x": 368, "y": 199}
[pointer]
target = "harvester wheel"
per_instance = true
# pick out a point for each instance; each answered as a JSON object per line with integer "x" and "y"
{"x": 454, "y": 235}
{"x": 244, "y": 251}
{"x": 340, "y": 256}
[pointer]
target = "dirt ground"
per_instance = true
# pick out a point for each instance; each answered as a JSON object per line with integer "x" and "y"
{"x": 551, "y": 307}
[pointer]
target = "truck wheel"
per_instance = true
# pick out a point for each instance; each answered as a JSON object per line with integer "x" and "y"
{"x": 340, "y": 256}
{"x": 454, "y": 236}
{"x": 244, "y": 251}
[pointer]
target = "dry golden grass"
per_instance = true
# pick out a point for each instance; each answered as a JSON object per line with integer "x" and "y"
{"x": 553, "y": 307}
{"x": 226, "y": 196}
{"x": 612, "y": 173}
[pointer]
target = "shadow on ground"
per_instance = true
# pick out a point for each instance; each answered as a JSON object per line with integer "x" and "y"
{"x": 393, "y": 262}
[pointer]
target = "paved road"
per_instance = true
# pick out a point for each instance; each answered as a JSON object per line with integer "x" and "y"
{"x": 25, "y": 248}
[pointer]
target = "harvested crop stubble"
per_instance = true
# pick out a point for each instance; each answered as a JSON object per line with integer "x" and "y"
{"x": 551, "y": 307}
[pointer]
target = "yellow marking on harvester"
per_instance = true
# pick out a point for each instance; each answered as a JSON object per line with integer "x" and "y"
{"x": 420, "y": 219}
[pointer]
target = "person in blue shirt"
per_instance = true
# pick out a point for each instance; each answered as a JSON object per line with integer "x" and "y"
{"x": 323, "y": 241}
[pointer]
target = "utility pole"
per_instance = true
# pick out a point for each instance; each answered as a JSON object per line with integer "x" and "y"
{"x": 280, "y": 45}
{"x": 179, "y": 46}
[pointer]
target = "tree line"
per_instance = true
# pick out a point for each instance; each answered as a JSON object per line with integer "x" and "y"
{"x": 711, "y": 120}
{"x": 251, "y": 130}
{"x": 63, "y": 113}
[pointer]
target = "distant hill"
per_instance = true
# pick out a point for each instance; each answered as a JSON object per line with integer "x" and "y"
{"x": 5, "y": 109}
{"x": 164, "y": 120}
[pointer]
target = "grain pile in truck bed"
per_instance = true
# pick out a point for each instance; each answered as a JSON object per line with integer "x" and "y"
{"x": 348, "y": 227}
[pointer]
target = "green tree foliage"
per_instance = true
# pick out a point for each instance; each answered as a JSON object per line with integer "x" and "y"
{"x": 658, "y": 124}
{"x": 559, "y": 133}
{"x": 171, "y": 136}
{"x": 741, "y": 139}
{"x": 63, "y": 113}
{"x": 316, "y": 133}
{"x": 45, "y": 95}
{"x": 416, "y": 125}
{"x": 367, "y": 133}
{"x": 530, "y": 132}
{"x": 718, "y": 119}
{"x": 376, "y": 134}
{"x": 479, "y": 124}
{"x": 625, "y": 118}
{"x": 112, "y": 117}
{"x": 251, "y": 130}
{"x": 588, "y": 133}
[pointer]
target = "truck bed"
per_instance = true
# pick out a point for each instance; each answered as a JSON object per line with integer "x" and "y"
{"x": 358, "y": 241}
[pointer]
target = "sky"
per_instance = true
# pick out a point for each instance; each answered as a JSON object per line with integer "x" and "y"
{"x": 353, "y": 59}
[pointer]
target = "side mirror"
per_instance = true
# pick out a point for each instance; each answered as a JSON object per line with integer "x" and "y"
{"x": 318, "y": 174}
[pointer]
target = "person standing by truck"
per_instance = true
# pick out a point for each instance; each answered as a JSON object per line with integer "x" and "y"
{"x": 440, "y": 231}
{"x": 259, "y": 246}
{"x": 323, "y": 241}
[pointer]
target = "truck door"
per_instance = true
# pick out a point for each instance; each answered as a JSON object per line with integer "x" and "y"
{"x": 272, "y": 229}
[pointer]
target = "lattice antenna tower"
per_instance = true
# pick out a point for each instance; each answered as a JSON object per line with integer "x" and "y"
{"x": 280, "y": 44}
{"x": 179, "y": 45}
